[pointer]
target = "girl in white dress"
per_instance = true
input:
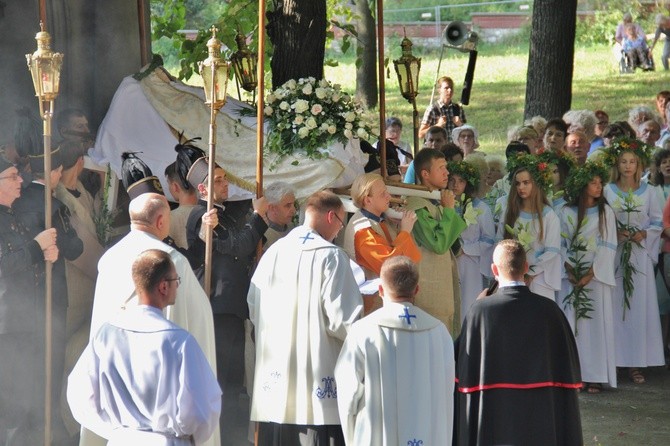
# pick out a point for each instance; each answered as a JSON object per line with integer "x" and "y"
{"x": 588, "y": 227}
{"x": 476, "y": 242}
{"x": 529, "y": 218}
{"x": 637, "y": 328}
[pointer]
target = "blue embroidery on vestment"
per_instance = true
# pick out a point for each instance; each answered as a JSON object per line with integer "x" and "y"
{"x": 414, "y": 442}
{"x": 328, "y": 390}
{"x": 407, "y": 316}
{"x": 307, "y": 237}
{"x": 274, "y": 379}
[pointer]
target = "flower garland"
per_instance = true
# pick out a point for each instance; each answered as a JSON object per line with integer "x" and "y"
{"x": 623, "y": 144}
{"x": 465, "y": 170}
{"x": 538, "y": 169}
{"x": 308, "y": 115}
{"x": 582, "y": 176}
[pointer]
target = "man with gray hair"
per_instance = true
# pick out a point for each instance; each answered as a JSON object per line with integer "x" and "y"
{"x": 649, "y": 132}
{"x": 281, "y": 209}
{"x": 382, "y": 395}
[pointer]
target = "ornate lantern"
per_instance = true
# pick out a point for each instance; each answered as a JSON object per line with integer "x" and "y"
{"x": 45, "y": 66}
{"x": 214, "y": 72}
{"x": 407, "y": 68}
{"x": 244, "y": 64}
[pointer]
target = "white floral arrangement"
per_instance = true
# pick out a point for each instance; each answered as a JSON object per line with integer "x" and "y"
{"x": 308, "y": 115}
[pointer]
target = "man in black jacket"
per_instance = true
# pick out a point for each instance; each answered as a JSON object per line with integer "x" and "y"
{"x": 237, "y": 233}
{"x": 517, "y": 365}
{"x": 22, "y": 257}
{"x": 30, "y": 210}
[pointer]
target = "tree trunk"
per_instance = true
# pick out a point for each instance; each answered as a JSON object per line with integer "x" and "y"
{"x": 551, "y": 58}
{"x": 366, "y": 49}
{"x": 297, "y": 29}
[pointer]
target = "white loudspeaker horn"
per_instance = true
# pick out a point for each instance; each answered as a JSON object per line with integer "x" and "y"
{"x": 455, "y": 34}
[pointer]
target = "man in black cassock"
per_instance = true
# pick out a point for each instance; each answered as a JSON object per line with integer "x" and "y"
{"x": 517, "y": 365}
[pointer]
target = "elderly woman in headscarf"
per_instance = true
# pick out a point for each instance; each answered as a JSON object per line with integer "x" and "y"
{"x": 467, "y": 138}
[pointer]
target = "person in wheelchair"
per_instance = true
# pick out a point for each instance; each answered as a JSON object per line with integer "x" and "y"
{"x": 635, "y": 48}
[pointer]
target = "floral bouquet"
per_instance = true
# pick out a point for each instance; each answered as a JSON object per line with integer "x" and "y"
{"x": 308, "y": 114}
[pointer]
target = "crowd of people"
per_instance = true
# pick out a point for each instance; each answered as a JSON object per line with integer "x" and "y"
{"x": 568, "y": 235}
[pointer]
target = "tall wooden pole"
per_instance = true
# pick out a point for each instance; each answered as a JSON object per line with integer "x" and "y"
{"x": 43, "y": 11}
{"x": 382, "y": 93}
{"x": 141, "y": 19}
{"x": 260, "y": 76}
{"x": 260, "y": 106}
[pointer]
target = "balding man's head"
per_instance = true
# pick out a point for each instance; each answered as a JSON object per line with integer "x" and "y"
{"x": 150, "y": 213}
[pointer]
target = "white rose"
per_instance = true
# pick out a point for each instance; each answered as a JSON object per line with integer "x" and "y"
{"x": 279, "y": 95}
{"x": 271, "y": 98}
{"x": 336, "y": 97}
{"x": 316, "y": 109}
{"x": 346, "y": 97}
{"x": 361, "y": 133}
{"x": 284, "y": 105}
{"x": 298, "y": 120}
{"x": 301, "y": 106}
{"x": 323, "y": 83}
{"x": 307, "y": 89}
{"x": 268, "y": 111}
{"x": 303, "y": 132}
{"x": 291, "y": 84}
{"x": 324, "y": 127}
{"x": 348, "y": 126}
{"x": 311, "y": 123}
{"x": 349, "y": 116}
{"x": 320, "y": 93}
{"x": 332, "y": 129}
{"x": 348, "y": 134}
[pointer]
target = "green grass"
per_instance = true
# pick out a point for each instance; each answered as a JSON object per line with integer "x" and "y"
{"x": 499, "y": 87}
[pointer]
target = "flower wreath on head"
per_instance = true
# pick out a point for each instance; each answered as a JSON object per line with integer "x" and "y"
{"x": 538, "y": 169}
{"x": 465, "y": 170}
{"x": 565, "y": 161}
{"x": 623, "y": 144}
{"x": 581, "y": 176}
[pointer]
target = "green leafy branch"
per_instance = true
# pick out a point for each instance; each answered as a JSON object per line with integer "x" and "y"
{"x": 578, "y": 269}
{"x": 629, "y": 205}
{"x": 104, "y": 220}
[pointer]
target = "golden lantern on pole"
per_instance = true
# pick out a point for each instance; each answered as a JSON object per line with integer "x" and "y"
{"x": 244, "y": 63}
{"x": 407, "y": 68}
{"x": 45, "y": 66}
{"x": 214, "y": 72}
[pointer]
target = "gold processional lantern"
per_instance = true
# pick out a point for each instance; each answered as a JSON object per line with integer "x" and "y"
{"x": 245, "y": 65}
{"x": 407, "y": 69}
{"x": 214, "y": 72}
{"x": 45, "y": 66}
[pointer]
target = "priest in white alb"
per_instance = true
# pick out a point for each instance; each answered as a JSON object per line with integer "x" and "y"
{"x": 395, "y": 373}
{"x": 302, "y": 300}
{"x": 115, "y": 291}
{"x": 142, "y": 380}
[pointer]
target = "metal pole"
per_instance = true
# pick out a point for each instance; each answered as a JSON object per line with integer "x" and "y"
{"x": 46, "y": 118}
{"x": 210, "y": 182}
{"x": 382, "y": 93}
